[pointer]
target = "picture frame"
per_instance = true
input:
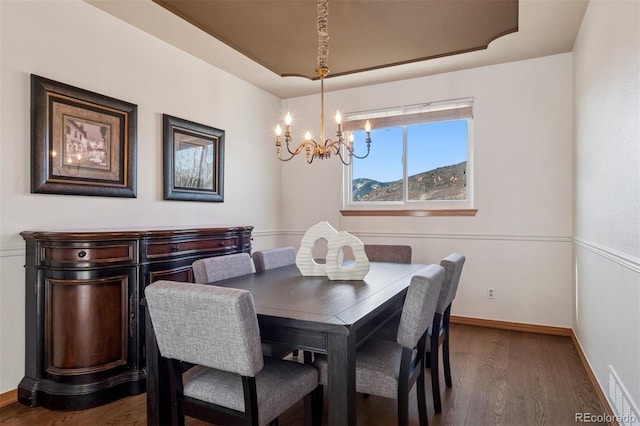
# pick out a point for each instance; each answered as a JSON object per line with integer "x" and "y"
{"x": 193, "y": 161}
{"x": 82, "y": 142}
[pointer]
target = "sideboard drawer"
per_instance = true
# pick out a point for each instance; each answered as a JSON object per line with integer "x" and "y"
{"x": 163, "y": 249}
{"x": 117, "y": 252}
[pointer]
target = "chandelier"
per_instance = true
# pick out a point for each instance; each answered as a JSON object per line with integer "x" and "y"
{"x": 326, "y": 147}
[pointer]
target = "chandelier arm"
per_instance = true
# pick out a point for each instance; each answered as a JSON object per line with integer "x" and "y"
{"x": 293, "y": 153}
{"x": 346, "y": 163}
{"x": 301, "y": 146}
{"x": 336, "y": 146}
{"x": 353, "y": 154}
{"x": 298, "y": 149}
{"x": 284, "y": 159}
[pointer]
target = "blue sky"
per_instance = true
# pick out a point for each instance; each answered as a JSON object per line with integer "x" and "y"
{"x": 430, "y": 146}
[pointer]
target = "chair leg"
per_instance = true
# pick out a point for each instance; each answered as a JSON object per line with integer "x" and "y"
{"x": 403, "y": 408}
{"x": 295, "y": 353}
{"x": 446, "y": 362}
{"x": 176, "y": 386}
{"x": 422, "y": 400}
{"x": 317, "y": 396}
{"x": 435, "y": 377}
{"x": 310, "y": 402}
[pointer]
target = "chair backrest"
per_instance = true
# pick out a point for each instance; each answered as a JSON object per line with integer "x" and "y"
{"x": 420, "y": 305}
{"x": 218, "y": 268}
{"x": 388, "y": 253}
{"x": 453, "y": 269}
{"x": 207, "y": 325}
{"x": 274, "y": 258}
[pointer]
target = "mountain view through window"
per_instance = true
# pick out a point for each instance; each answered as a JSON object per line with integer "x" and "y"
{"x": 412, "y": 163}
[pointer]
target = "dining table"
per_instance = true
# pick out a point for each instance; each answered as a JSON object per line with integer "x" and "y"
{"x": 311, "y": 313}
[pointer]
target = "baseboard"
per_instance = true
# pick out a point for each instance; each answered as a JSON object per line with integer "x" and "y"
{"x": 544, "y": 329}
{"x": 610, "y": 414}
{"x": 8, "y": 397}
{"x": 514, "y": 326}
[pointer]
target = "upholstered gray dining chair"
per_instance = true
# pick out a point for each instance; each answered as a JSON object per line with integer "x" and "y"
{"x": 213, "y": 269}
{"x": 264, "y": 260}
{"x": 439, "y": 331}
{"x": 216, "y": 329}
{"x": 388, "y": 253}
{"x": 390, "y": 368}
{"x": 273, "y": 258}
{"x": 392, "y": 253}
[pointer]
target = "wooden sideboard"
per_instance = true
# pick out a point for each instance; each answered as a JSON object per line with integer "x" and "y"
{"x": 84, "y": 322}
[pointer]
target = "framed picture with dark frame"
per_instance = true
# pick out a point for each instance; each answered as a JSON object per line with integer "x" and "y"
{"x": 82, "y": 143}
{"x": 193, "y": 161}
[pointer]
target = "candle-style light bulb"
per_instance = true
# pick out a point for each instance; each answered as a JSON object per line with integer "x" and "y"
{"x": 338, "y": 117}
{"x": 287, "y": 119}
{"x": 351, "y": 138}
{"x": 367, "y": 126}
{"x": 278, "y": 130}
{"x": 307, "y": 136}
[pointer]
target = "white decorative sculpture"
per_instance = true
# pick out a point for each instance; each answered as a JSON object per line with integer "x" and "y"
{"x": 336, "y": 269}
{"x": 304, "y": 259}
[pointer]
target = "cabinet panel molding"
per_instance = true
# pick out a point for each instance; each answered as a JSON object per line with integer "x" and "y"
{"x": 86, "y": 324}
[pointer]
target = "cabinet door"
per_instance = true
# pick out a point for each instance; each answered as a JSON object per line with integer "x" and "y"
{"x": 89, "y": 321}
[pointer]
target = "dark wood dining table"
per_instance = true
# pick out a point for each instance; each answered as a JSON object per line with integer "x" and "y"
{"x": 311, "y": 313}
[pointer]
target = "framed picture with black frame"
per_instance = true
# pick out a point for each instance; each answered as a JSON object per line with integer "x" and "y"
{"x": 193, "y": 161}
{"x": 82, "y": 143}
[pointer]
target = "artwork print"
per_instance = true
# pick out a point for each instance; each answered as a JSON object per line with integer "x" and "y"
{"x": 82, "y": 143}
{"x": 193, "y": 161}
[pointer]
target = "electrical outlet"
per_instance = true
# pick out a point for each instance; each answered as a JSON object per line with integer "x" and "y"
{"x": 490, "y": 293}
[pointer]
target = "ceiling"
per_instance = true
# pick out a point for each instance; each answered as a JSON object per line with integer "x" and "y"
{"x": 272, "y": 44}
{"x": 282, "y": 34}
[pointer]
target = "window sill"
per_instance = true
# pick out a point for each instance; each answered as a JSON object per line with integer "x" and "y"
{"x": 411, "y": 213}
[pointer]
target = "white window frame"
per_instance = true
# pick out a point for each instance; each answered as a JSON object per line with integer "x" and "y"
{"x": 401, "y": 117}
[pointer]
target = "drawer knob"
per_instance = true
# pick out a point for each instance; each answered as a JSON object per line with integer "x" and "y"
{"x": 175, "y": 247}
{"x": 82, "y": 254}
{"x": 221, "y": 243}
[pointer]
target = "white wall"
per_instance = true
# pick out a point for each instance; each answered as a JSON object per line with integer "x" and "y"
{"x": 520, "y": 241}
{"x": 607, "y": 191}
{"x": 75, "y": 43}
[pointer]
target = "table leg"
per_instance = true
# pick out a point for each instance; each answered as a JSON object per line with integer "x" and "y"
{"x": 341, "y": 389}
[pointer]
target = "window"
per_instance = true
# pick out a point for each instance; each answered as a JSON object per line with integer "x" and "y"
{"x": 420, "y": 158}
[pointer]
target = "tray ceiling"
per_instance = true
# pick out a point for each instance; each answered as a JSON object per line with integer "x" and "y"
{"x": 544, "y": 27}
{"x": 363, "y": 35}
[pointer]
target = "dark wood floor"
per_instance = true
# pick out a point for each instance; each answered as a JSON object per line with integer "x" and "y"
{"x": 499, "y": 378}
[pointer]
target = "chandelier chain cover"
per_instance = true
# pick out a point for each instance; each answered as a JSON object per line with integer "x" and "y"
{"x": 325, "y": 147}
{"x": 323, "y": 33}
